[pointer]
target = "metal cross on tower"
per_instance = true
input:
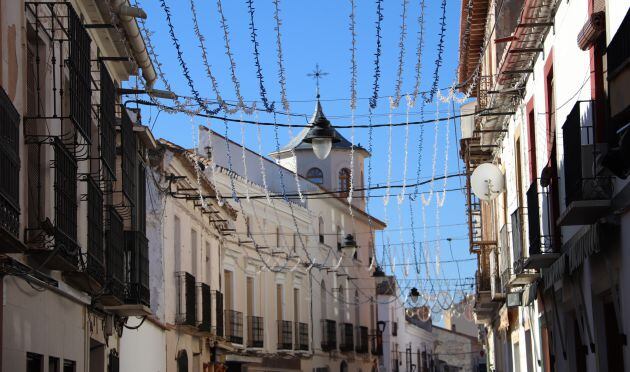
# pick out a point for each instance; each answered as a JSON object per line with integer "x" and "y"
{"x": 317, "y": 74}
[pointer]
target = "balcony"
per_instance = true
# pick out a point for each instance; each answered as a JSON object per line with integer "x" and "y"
{"x": 285, "y": 335}
{"x": 115, "y": 258}
{"x": 218, "y": 311}
{"x": 346, "y": 343}
{"x": 186, "y": 310}
{"x": 329, "y": 335}
{"x": 520, "y": 275}
{"x": 496, "y": 287}
{"x": 587, "y": 193}
{"x": 90, "y": 277}
{"x": 255, "y": 331}
{"x": 234, "y": 326}
{"x": 361, "y": 346}
{"x": 541, "y": 252}
{"x": 377, "y": 343}
{"x": 9, "y": 176}
{"x": 301, "y": 336}
{"x": 137, "y": 248}
{"x": 204, "y": 308}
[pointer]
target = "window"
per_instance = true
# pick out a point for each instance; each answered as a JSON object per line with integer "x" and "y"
{"x": 229, "y": 304}
{"x": 182, "y": 361}
{"x": 279, "y": 302}
{"x": 296, "y": 305}
{"x": 321, "y": 230}
{"x": 250, "y": 296}
{"x": 322, "y": 299}
{"x": 34, "y": 362}
{"x": 53, "y": 364}
{"x": 341, "y": 301}
{"x": 194, "y": 251}
{"x": 357, "y": 315}
{"x": 9, "y": 165}
{"x": 69, "y": 366}
{"x": 344, "y": 181}
{"x": 177, "y": 243}
{"x": 315, "y": 175}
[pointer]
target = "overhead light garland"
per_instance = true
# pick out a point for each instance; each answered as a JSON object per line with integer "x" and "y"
{"x": 401, "y": 55}
{"x": 228, "y": 52}
{"x": 182, "y": 63}
{"x": 377, "y": 54}
{"x": 254, "y": 38}
{"x": 419, "y": 50}
{"x": 440, "y": 52}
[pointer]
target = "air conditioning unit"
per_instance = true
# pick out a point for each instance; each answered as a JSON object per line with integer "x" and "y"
{"x": 514, "y": 299}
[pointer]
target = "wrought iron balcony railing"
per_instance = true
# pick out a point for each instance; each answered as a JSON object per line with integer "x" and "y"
{"x": 137, "y": 248}
{"x": 255, "y": 331}
{"x": 9, "y": 168}
{"x": 329, "y": 335}
{"x": 285, "y": 335}
{"x": 346, "y": 343}
{"x": 95, "y": 249}
{"x": 115, "y": 258}
{"x": 186, "y": 310}
{"x": 234, "y": 326}
{"x": 361, "y": 345}
{"x": 301, "y": 336}
{"x": 204, "y": 307}
{"x": 218, "y": 311}
{"x": 67, "y": 99}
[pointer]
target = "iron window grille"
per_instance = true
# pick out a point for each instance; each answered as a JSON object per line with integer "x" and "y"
{"x": 95, "y": 249}
{"x": 285, "y": 335}
{"x": 115, "y": 254}
{"x": 128, "y": 163}
{"x": 301, "y": 336}
{"x": 255, "y": 331}
{"x": 141, "y": 203}
{"x": 581, "y": 178}
{"x": 9, "y": 166}
{"x": 329, "y": 335}
{"x": 71, "y": 47}
{"x": 65, "y": 203}
{"x": 346, "y": 331}
{"x": 186, "y": 302}
{"x": 204, "y": 296}
{"x": 137, "y": 260}
{"x": 540, "y": 235}
{"x": 362, "y": 340}
{"x": 218, "y": 301}
{"x": 107, "y": 116}
{"x": 234, "y": 326}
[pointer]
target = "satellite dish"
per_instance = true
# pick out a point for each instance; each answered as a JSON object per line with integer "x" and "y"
{"x": 487, "y": 181}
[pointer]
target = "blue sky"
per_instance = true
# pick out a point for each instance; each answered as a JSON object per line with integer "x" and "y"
{"x": 318, "y": 32}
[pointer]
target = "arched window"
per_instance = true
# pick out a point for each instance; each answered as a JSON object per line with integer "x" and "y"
{"x": 323, "y": 300}
{"x": 315, "y": 175}
{"x": 182, "y": 361}
{"x": 344, "y": 181}
{"x": 357, "y": 315}
{"x": 341, "y": 303}
{"x": 321, "y": 230}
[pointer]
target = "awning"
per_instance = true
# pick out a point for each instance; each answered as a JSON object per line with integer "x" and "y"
{"x": 555, "y": 271}
{"x": 529, "y": 295}
{"x": 582, "y": 245}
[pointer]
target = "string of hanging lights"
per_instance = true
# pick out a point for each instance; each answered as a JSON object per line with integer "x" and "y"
{"x": 269, "y": 107}
{"x": 377, "y": 54}
{"x": 401, "y": 55}
{"x": 440, "y": 54}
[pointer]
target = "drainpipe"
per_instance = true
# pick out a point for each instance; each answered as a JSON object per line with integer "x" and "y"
{"x": 126, "y": 15}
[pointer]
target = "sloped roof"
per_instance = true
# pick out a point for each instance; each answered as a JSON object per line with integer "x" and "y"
{"x": 297, "y": 142}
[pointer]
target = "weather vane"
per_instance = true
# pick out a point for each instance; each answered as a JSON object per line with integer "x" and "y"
{"x": 317, "y": 74}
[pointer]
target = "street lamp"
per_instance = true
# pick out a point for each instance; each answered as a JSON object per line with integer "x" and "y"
{"x": 381, "y": 326}
{"x": 349, "y": 246}
{"x": 379, "y": 276}
{"x": 321, "y": 135}
{"x": 414, "y": 294}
